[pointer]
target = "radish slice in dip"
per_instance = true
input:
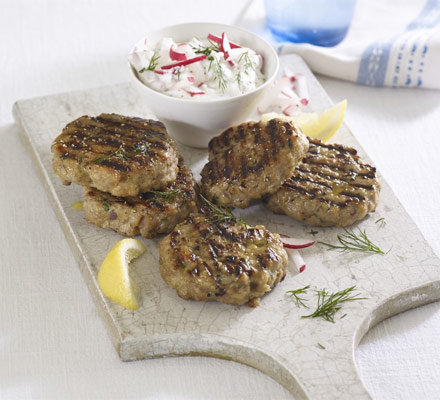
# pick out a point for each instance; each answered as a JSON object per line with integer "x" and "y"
{"x": 201, "y": 69}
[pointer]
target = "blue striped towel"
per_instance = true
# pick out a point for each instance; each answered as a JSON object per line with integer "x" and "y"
{"x": 390, "y": 43}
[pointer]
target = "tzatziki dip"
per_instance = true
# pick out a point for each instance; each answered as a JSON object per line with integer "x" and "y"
{"x": 201, "y": 69}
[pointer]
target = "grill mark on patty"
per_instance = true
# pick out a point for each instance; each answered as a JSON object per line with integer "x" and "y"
{"x": 257, "y": 137}
{"x": 226, "y": 233}
{"x": 208, "y": 270}
{"x": 151, "y": 122}
{"x": 323, "y": 163}
{"x": 106, "y": 136}
{"x": 212, "y": 173}
{"x": 306, "y": 171}
{"x": 315, "y": 196}
{"x": 132, "y": 124}
{"x": 213, "y": 250}
{"x": 265, "y": 158}
{"x": 315, "y": 193}
{"x": 235, "y": 265}
{"x": 226, "y": 140}
{"x": 106, "y": 131}
{"x": 173, "y": 239}
{"x": 310, "y": 180}
{"x": 125, "y": 128}
{"x": 241, "y": 132}
{"x": 271, "y": 129}
{"x": 301, "y": 189}
{"x": 231, "y": 259}
{"x": 288, "y": 128}
{"x": 328, "y": 179}
{"x": 229, "y": 269}
{"x": 244, "y": 167}
{"x": 271, "y": 255}
{"x": 118, "y": 166}
{"x": 370, "y": 175}
{"x": 349, "y": 179}
{"x": 226, "y": 169}
{"x": 354, "y": 195}
{"x": 78, "y": 145}
{"x": 105, "y": 139}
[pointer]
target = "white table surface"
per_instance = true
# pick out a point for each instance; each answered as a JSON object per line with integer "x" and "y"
{"x": 53, "y": 344}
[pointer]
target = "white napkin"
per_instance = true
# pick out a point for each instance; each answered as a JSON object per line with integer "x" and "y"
{"x": 390, "y": 43}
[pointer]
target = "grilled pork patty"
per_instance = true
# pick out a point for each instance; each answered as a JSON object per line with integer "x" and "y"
{"x": 148, "y": 214}
{"x": 330, "y": 187}
{"x": 120, "y": 155}
{"x": 223, "y": 261}
{"x": 250, "y": 161}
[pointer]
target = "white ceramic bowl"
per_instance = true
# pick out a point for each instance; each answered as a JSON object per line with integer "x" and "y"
{"x": 193, "y": 122}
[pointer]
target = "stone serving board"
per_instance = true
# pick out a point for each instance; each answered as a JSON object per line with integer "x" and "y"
{"x": 272, "y": 337}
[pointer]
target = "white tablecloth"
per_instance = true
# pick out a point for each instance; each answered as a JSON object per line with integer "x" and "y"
{"x": 52, "y": 343}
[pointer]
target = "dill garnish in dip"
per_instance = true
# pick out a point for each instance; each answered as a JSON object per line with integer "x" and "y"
{"x": 202, "y": 69}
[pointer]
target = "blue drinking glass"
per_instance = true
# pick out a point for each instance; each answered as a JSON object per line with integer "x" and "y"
{"x": 319, "y": 22}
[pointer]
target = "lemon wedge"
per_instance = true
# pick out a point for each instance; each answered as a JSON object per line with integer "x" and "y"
{"x": 113, "y": 277}
{"x": 319, "y": 126}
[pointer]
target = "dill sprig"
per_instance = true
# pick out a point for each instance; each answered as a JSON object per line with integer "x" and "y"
{"x": 330, "y": 303}
{"x": 119, "y": 153}
{"x": 218, "y": 72}
{"x": 381, "y": 222}
{"x": 221, "y": 213}
{"x": 312, "y": 232}
{"x": 154, "y": 61}
{"x": 351, "y": 241}
{"x": 167, "y": 195}
{"x": 207, "y": 50}
{"x": 238, "y": 79}
{"x": 296, "y": 296}
{"x": 246, "y": 60}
